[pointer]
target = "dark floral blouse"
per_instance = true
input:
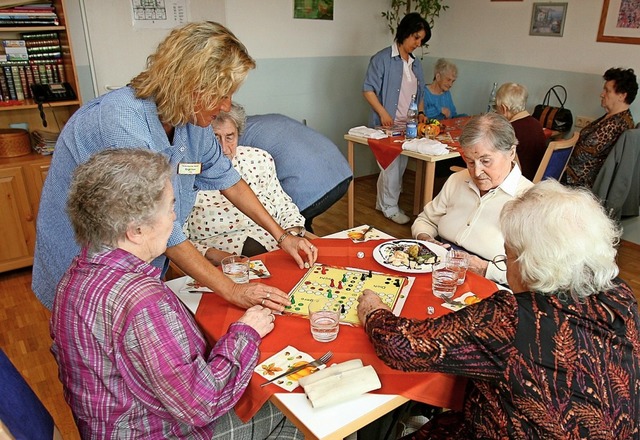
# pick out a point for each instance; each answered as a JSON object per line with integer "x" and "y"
{"x": 539, "y": 368}
{"x": 594, "y": 144}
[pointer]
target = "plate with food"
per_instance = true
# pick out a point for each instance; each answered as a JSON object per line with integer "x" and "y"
{"x": 410, "y": 256}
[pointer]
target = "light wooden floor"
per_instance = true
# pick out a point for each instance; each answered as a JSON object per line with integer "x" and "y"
{"x": 24, "y": 333}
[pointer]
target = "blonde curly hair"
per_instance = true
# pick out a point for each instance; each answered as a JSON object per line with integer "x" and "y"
{"x": 197, "y": 64}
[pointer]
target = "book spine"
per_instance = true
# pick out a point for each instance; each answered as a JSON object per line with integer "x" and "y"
{"x": 49, "y": 73}
{"x": 16, "y": 83}
{"x": 43, "y": 49}
{"x": 61, "y": 74}
{"x": 30, "y": 79}
{"x": 42, "y": 42}
{"x": 13, "y": 22}
{"x": 43, "y": 74}
{"x": 45, "y": 55}
{"x": 26, "y": 91}
{"x": 4, "y": 90}
{"x": 9, "y": 78}
{"x": 39, "y": 36}
{"x": 35, "y": 73}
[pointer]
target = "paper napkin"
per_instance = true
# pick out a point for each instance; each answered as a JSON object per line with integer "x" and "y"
{"x": 462, "y": 301}
{"x": 282, "y": 361}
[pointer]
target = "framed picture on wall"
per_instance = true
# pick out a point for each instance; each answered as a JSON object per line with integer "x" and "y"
{"x": 313, "y": 9}
{"x": 547, "y": 19}
{"x": 619, "y": 22}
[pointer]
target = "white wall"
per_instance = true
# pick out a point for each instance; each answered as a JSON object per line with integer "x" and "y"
{"x": 466, "y": 28}
{"x": 270, "y": 31}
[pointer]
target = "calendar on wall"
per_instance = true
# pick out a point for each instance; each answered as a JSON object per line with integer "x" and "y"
{"x": 159, "y": 14}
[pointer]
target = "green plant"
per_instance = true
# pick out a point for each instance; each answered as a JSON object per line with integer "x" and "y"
{"x": 429, "y": 9}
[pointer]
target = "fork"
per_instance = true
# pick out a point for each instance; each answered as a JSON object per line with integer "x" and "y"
{"x": 316, "y": 363}
{"x": 364, "y": 234}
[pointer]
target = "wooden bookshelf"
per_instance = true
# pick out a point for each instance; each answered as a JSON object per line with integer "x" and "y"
{"x": 21, "y": 178}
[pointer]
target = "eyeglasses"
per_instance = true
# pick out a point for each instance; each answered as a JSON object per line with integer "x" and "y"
{"x": 500, "y": 261}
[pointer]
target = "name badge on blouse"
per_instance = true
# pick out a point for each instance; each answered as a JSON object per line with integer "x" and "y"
{"x": 189, "y": 168}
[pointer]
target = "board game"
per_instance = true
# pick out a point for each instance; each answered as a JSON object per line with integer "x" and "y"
{"x": 342, "y": 286}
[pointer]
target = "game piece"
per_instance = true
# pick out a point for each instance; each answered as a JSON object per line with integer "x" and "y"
{"x": 360, "y": 254}
{"x": 344, "y": 278}
{"x": 340, "y": 286}
{"x": 370, "y": 273}
{"x": 332, "y": 283}
{"x": 314, "y": 286}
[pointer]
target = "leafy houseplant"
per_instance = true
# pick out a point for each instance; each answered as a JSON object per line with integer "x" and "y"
{"x": 429, "y": 9}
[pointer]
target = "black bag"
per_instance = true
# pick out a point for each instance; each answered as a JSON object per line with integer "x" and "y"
{"x": 554, "y": 118}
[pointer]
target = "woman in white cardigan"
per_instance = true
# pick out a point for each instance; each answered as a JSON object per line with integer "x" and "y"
{"x": 466, "y": 212}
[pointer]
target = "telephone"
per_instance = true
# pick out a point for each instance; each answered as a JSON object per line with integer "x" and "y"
{"x": 51, "y": 92}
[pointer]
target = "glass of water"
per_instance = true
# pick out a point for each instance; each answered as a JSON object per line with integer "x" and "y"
{"x": 445, "y": 281}
{"x": 324, "y": 318}
{"x": 236, "y": 267}
{"x": 459, "y": 261}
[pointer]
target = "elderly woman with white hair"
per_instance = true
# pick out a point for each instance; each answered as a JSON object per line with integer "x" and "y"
{"x": 438, "y": 103}
{"x": 132, "y": 360}
{"x": 465, "y": 212}
{"x": 560, "y": 357}
{"x": 511, "y": 102}
{"x": 216, "y": 227}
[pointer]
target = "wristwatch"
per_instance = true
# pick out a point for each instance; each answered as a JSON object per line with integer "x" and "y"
{"x": 298, "y": 231}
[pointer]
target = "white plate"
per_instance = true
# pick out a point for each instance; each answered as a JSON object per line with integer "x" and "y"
{"x": 383, "y": 250}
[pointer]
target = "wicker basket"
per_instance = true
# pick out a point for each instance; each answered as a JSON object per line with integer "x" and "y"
{"x": 14, "y": 142}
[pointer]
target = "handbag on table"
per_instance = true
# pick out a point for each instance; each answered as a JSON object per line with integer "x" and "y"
{"x": 554, "y": 118}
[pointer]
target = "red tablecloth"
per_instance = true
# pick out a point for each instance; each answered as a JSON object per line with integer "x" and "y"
{"x": 214, "y": 315}
{"x": 387, "y": 149}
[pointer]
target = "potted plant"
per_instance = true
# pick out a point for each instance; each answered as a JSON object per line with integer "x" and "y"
{"x": 429, "y": 9}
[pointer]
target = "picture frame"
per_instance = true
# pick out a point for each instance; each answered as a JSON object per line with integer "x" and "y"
{"x": 547, "y": 19}
{"x": 313, "y": 9}
{"x": 614, "y": 27}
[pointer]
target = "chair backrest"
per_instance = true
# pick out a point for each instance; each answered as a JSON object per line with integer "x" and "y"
{"x": 21, "y": 412}
{"x": 556, "y": 158}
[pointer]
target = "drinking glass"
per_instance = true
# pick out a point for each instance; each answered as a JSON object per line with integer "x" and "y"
{"x": 459, "y": 261}
{"x": 324, "y": 319}
{"x": 236, "y": 267}
{"x": 445, "y": 281}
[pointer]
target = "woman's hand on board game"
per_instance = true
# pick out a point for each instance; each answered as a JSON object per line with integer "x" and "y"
{"x": 252, "y": 294}
{"x": 297, "y": 246}
{"x": 367, "y": 303}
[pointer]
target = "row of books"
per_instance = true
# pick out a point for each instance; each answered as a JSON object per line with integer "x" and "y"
{"x": 38, "y": 14}
{"x": 35, "y": 58}
{"x": 39, "y": 45}
{"x": 16, "y": 77}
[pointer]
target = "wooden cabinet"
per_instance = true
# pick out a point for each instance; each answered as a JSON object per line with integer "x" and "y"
{"x": 21, "y": 180}
{"x": 56, "y": 113}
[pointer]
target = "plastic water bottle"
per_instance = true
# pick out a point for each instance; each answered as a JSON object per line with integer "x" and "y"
{"x": 412, "y": 119}
{"x": 491, "y": 107}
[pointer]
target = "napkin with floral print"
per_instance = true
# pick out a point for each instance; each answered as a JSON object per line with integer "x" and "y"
{"x": 287, "y": 358}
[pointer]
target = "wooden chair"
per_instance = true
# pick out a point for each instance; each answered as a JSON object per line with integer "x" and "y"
{"x": 556, "y": 158}
{"x": 22, "y": 414}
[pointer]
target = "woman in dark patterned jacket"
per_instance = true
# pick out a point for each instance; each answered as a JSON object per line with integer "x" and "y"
{"x": 560, "y": 358}
{"x": 597, "y": 139}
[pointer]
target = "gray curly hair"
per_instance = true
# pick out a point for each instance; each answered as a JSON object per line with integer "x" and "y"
{"x": 114, "y": 189}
